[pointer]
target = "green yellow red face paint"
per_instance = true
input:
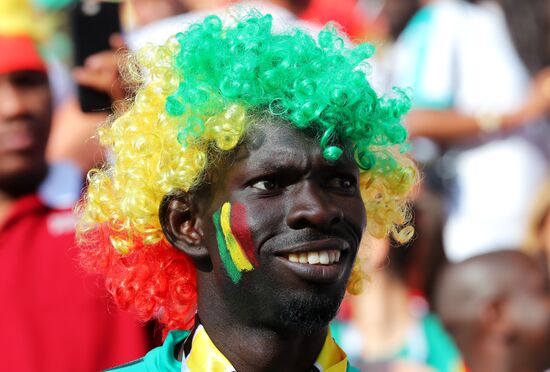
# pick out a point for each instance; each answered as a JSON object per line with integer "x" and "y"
{"x": 234, "y": 240}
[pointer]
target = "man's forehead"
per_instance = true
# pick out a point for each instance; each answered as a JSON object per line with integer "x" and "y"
{"x": 278, "y": 142}
{"x": 273, "y": 128}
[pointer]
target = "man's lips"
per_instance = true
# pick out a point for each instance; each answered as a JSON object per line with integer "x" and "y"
{"x": 317, "y": 261}
{"x": 324, "y": 257}
{"x": 16, "y": 140}
{"x": 324, "y": 244}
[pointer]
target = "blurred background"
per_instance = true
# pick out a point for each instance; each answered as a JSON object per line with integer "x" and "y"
{"x": 470, "y": 292}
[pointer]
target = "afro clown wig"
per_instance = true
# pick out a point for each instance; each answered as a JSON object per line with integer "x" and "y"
{"x": 196, "y": 96}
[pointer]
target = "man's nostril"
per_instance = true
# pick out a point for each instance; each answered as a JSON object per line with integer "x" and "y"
{"x": 339, "y": 216}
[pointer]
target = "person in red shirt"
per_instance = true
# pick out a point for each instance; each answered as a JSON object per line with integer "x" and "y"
{"x": 53, "y": 316}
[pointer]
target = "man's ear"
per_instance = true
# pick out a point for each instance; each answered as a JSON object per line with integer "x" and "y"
{"x": 178, "y": 214}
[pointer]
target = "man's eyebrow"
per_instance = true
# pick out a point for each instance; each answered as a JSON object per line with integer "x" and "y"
{"x": 273, "y": 166}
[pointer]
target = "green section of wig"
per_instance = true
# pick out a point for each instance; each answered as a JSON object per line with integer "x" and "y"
{"x": 314, "y": 84}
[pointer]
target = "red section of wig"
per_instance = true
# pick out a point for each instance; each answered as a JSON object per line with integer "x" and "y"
{"x": 154, "y": 281}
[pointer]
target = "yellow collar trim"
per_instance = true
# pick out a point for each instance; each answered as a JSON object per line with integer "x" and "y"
{"x": 205, "y": 356}
{"x": 331, "y": 358}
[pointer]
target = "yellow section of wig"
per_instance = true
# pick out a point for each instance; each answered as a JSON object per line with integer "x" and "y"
{"x": 385, "y": 195}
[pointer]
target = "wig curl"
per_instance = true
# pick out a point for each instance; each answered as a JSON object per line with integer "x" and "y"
{"x": 198, "y": 93}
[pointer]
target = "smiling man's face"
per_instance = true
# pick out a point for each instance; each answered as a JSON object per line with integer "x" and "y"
{"x": 296, "y": 220}
{"x": 25, "y": 115}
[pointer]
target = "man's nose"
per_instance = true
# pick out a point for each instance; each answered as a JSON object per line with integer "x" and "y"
{"x": 311, "y": 206}
{"x": 12, "y": 101}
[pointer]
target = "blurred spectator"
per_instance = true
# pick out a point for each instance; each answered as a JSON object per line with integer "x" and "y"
{"x": 419, "y": 262}
{"x": 71, "y": 147}
{"x": 53, "y": 318}
{"x": 537, "y": 238}
{"x": 528, "y": 25}
{"x": 283, "y": 11}
{"x": 472, "y": 95}
{"x": 72, "y": 140}
{"x": 354, "y": 19}
{"x": 396, "y": 15}
{"x": 497, "y": 307}
{"x": 148, "y": 24}
{"x": 138, "y": 13}
{"x": 390, "y": 326}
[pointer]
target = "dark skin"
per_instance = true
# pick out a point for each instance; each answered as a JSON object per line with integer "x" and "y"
{"x": 295, "y": 201}
{"x": 497, "y": 307}
{"x": 25, "y": 118}
{"x": 398, "y": 13}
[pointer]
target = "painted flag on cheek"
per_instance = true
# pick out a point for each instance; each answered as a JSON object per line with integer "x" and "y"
{"x": 234, "y": 240}
{"x": 241, "y": 231}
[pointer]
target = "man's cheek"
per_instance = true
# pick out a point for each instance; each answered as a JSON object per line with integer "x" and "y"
{"x": 242, "y": 231}
{"x": 357, "y": 215}
{"x": 234, "y": 240}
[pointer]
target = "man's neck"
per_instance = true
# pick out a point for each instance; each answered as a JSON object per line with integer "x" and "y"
{"x": 485, "y": 364}
{"x": 6, "y": 202}
{"x": 12, "y": 191}
{"x": 262, "y": 349}
{"x": 265, "y": 350}
{"x": 482, "y": 358}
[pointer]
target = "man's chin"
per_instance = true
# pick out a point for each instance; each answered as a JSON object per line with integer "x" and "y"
{"x": 309, "y": 313}
{"x": 23, "y": 178}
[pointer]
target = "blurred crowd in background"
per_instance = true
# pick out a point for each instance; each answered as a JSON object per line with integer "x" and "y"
{"x": 471, "y": 289}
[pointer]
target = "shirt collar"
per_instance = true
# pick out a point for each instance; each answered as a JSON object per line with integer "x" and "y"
{"x": 28, "y": 204}
{"x": 202, "y": 355}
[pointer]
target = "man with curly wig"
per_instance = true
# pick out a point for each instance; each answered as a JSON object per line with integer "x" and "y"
{"x": 244, "y": 173}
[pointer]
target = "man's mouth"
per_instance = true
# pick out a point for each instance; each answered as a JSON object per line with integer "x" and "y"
{"x": 319, "y": 261}
{"x": 20, "y": 139}
{"x": 324, "y": 257}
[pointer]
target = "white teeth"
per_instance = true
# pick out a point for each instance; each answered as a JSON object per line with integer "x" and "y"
{"x": 325, "y": 257}
{"x": 312, "y": 258}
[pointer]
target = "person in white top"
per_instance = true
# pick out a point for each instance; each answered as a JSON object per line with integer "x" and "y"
{"x": 473, "y": 94}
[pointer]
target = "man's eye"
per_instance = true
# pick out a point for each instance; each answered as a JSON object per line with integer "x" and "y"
{"x": 266, "y": 185}
{"x": 26, "y": 79}
{"x": 342, "y": 183}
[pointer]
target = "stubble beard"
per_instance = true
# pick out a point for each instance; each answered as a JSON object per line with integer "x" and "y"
{"x": 309, "y": 313}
